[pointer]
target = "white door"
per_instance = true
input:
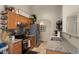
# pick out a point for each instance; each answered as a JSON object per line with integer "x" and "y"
{"x": 45, "y": 34}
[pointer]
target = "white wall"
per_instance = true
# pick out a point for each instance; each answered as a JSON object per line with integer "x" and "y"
{"x": 25, "y": 8}
{"x": 50, "y": 13}
{"x": 67, "y": 11}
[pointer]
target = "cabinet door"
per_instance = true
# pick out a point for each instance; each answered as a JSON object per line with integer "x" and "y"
{"x": 11, "y": 20}
{"x": 24, "y": 20}
{"x": 32, "y": 42}
{"x": 15, "y": 48}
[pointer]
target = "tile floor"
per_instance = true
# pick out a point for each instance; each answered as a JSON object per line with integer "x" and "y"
{"x": 41, "y": 49}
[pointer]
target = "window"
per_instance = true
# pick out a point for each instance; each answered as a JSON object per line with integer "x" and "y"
{"x": 72, "y": 25}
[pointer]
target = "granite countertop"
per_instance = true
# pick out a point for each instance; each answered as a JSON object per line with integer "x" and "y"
{"x": 54, "y": 45}
{"x": 15, "y": 41}
{"x": 59, "y": 46}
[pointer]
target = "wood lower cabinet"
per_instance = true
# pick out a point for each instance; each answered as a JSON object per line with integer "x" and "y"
{"x": 32, "y": 42}
{"x": 53, "y": 52}
{"x": 15, "y": 48}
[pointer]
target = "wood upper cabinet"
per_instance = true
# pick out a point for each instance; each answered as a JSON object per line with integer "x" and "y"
{"x": 24, "y": 20}
{"x": 13, "y": 18}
